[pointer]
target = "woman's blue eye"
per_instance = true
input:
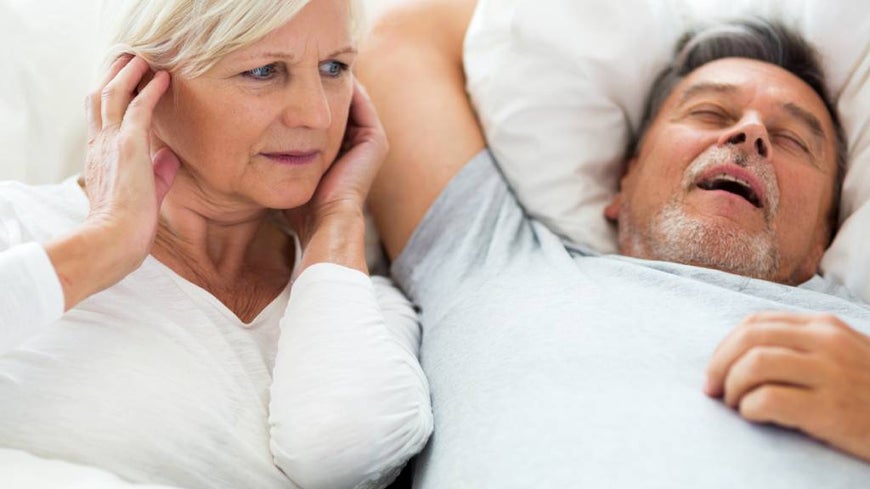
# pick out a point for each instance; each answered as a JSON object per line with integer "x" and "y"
{"x": 333, "y": 69}
{"x": 262, "y": 72}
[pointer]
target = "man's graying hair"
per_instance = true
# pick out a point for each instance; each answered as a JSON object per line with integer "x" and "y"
{"x": 758, "y": 39}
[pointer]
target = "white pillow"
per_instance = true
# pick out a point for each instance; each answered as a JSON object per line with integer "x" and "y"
{"x": 559, "y": 85}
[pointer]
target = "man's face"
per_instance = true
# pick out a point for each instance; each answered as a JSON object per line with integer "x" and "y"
{"x": 735, "y": 173}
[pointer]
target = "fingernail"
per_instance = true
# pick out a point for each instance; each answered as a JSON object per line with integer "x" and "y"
{"x": 709, "y": 388}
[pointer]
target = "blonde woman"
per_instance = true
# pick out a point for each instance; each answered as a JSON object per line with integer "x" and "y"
{"x": 197, "y": 311}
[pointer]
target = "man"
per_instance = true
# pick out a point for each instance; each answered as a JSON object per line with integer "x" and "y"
{"x": 553, "y": 367}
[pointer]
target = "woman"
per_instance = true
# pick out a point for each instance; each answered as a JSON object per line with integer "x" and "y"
{"x": 214, "y": 180}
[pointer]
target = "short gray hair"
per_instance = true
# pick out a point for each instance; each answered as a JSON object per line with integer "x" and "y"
{"x": 758, "y": 39}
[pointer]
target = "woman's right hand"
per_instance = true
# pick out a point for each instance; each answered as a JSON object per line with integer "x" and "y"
{"x": 124, "y": 183}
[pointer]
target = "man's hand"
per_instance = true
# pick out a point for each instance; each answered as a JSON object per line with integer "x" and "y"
{"x": 808, "y": 372}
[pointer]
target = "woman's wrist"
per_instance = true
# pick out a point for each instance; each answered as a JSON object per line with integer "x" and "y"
{"x": 337, "y": 237}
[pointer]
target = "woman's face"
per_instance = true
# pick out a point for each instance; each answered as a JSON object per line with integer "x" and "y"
{"x": 263, "y": 125}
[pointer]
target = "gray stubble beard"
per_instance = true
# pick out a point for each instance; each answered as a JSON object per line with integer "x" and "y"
{"x": 675, "y": 236}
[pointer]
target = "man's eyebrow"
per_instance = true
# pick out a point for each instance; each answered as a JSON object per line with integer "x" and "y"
{"x": 807, "y": 118}
{"x": 706, "y": 87}
{"x": 292, "y": 57}
{"x": 803, "y": 115}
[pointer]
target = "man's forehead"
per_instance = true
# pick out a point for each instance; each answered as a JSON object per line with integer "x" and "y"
{"x": 704, "y": 87}
{"x": 741, "y": 77}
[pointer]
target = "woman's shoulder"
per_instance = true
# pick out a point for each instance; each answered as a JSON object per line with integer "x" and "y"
{"x": 39, "y": 212}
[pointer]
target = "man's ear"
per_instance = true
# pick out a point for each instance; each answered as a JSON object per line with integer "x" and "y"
{"x": 611, "y": 212}
{"x": 810, "y": 265}
{"x": 814, "y": 258}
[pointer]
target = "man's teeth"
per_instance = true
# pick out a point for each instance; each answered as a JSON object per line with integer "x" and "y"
{"x": 731, "y": 178}
{"x": 732, "y": 184}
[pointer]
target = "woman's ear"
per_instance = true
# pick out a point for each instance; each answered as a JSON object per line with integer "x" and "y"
{"x": 156, "y": 141}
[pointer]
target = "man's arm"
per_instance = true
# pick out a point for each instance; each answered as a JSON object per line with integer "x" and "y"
{"x": 411, "y": 65}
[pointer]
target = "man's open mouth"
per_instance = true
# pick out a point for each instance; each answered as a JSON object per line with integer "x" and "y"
{"x": 734, "y": 185}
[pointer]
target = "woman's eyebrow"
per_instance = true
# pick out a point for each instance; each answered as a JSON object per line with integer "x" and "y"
{"x": 293, "y": 57}
{"x": 344, "y": 50}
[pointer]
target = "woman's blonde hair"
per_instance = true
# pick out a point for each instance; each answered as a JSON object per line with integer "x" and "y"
{"x": 189, "y": 36}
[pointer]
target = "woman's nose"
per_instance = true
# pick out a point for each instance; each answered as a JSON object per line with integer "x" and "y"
{"x": 307, "y": 105}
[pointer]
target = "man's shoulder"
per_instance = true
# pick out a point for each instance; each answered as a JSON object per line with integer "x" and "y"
{"x": 818, "y": 293}
{"x": 824, "y": 285}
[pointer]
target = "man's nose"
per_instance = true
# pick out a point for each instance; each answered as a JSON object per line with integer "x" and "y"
{"x": 751, "y": 134}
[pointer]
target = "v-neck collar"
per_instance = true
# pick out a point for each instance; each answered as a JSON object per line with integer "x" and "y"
{"x": 196, "y": 292}
{"x": 201, "y": 295}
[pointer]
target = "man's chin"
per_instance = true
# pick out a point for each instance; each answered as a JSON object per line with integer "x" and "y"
{"x": 716, "y": 243}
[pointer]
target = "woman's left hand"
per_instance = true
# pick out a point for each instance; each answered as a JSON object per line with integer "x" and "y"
{"x": 331, "y": 225}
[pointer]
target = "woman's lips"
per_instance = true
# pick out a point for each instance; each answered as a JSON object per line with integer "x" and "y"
{"x": 293, "y": 157}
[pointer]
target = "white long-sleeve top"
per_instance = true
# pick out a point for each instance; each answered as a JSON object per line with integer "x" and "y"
{"x": 157, "y": 381}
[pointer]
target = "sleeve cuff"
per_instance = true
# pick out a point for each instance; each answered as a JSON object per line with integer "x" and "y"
{"x": 320, "y": 272}
{"x": 36, "y": 299}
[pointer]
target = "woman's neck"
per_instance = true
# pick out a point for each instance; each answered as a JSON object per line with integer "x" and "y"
{"x": 218, "y": 243}
{"x": 238, "y": 254}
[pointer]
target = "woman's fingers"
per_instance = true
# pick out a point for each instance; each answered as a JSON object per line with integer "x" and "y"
{"x": 139, "y": 113}
{"x": 93, "y": 102}
{"x": 117, "y": 94}
{"x": 114, "y": 69}
{"x": 362, "y": 110}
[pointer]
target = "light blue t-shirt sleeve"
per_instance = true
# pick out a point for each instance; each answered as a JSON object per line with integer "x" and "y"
{"x": 475, "y": 225}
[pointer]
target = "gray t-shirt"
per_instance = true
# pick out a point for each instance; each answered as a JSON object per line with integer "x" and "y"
{"x": 550, "y": 367}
